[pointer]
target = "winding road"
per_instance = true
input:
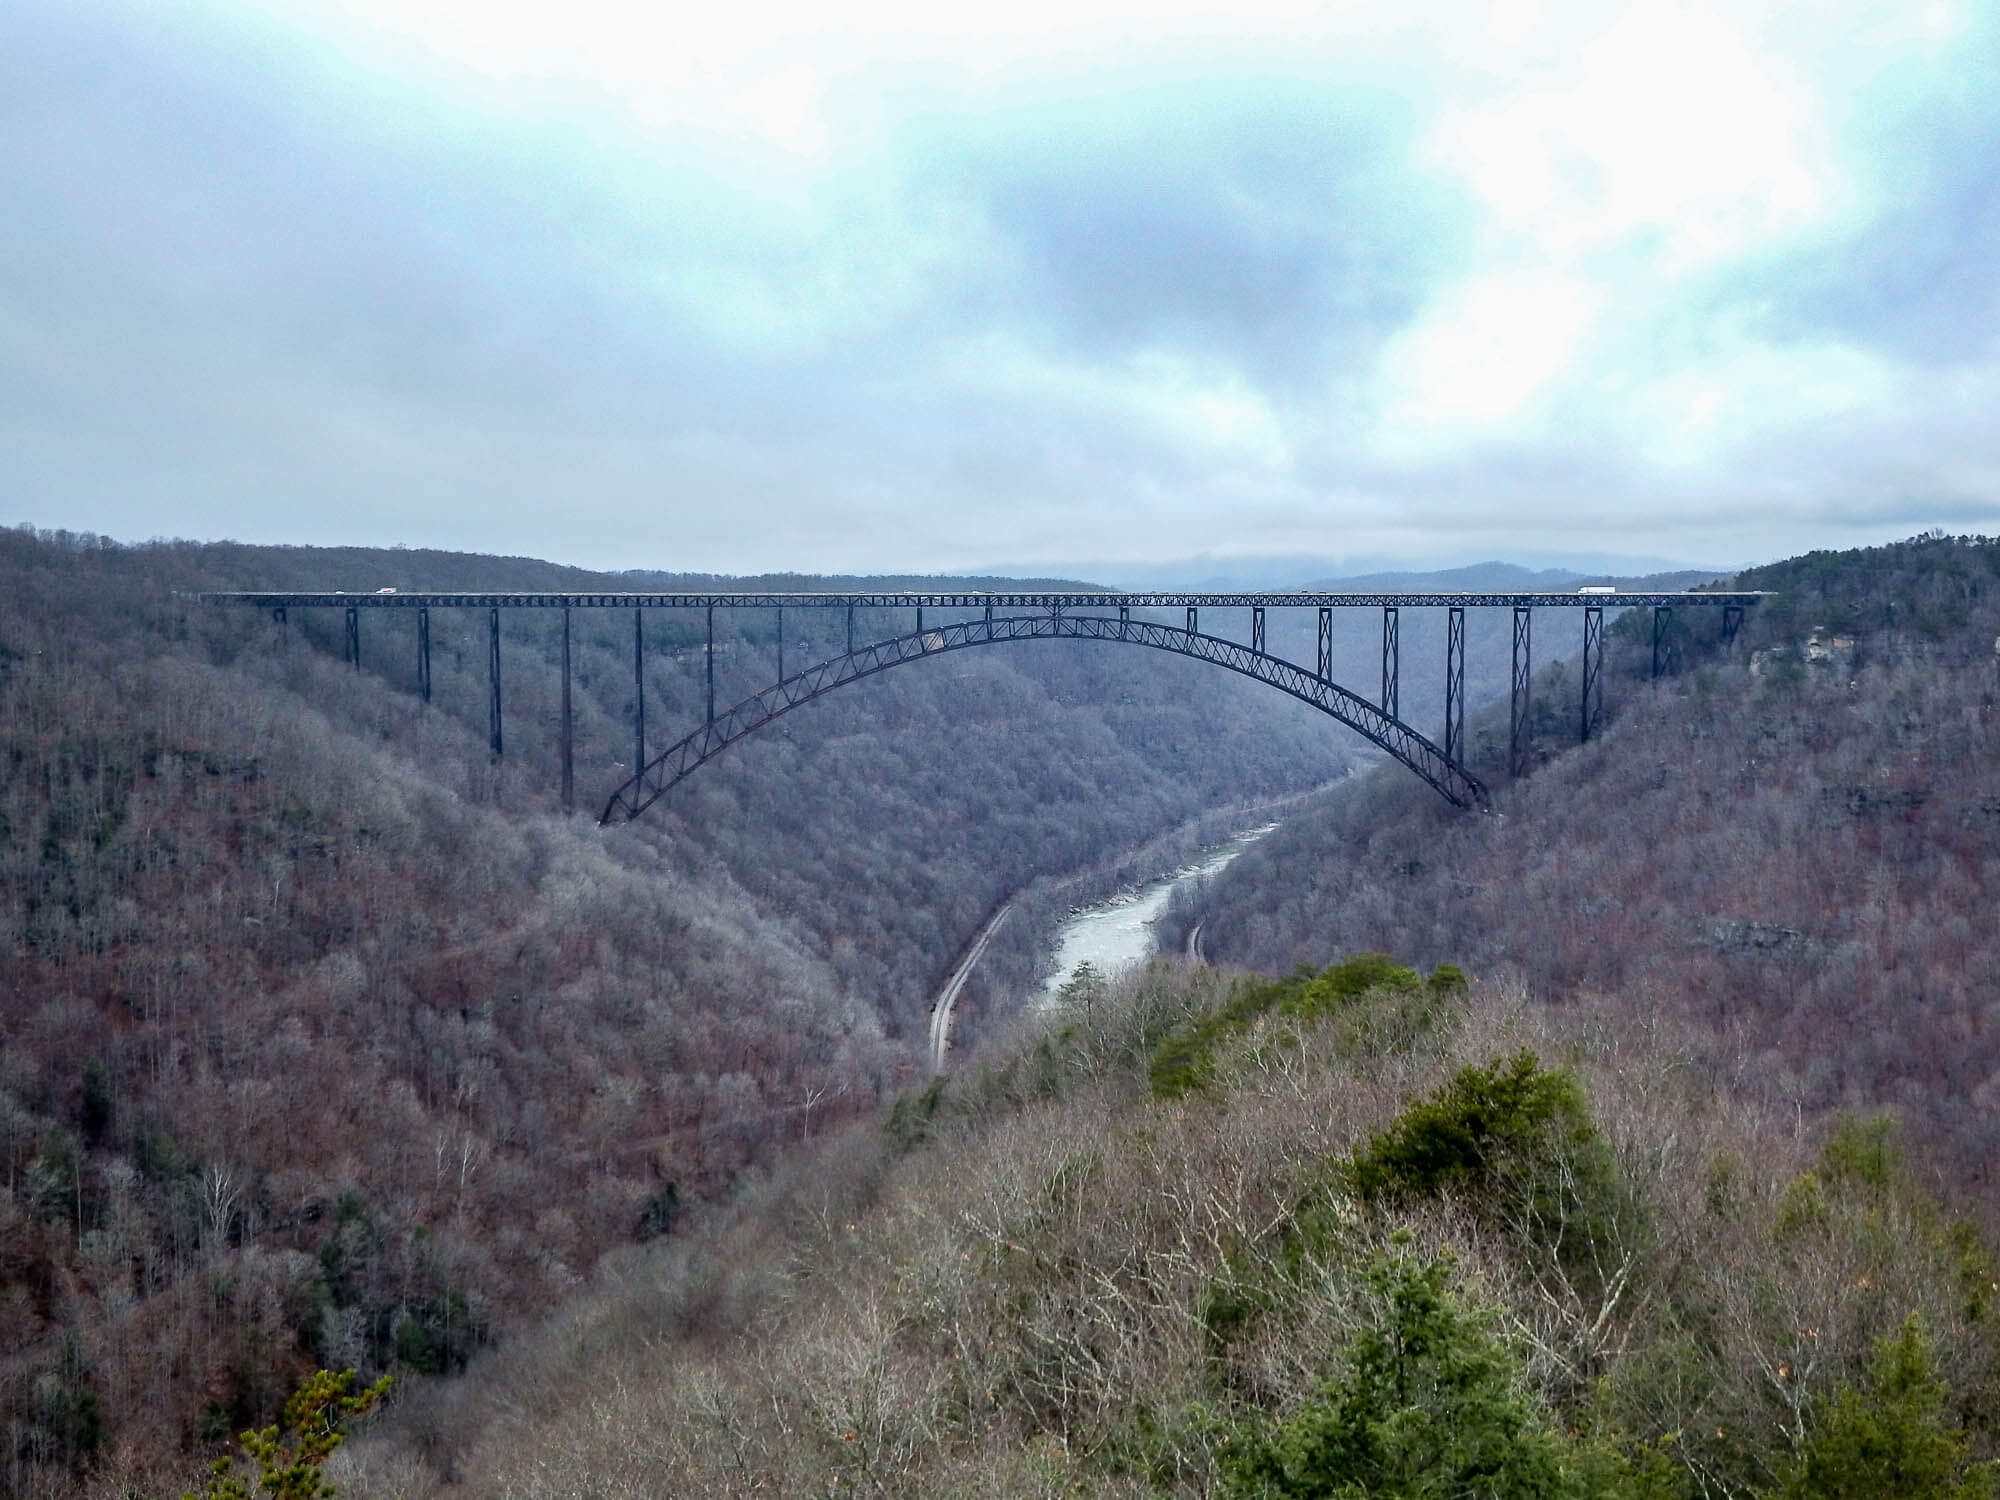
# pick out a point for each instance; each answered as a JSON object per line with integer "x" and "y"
{"x": 947, "y": 997}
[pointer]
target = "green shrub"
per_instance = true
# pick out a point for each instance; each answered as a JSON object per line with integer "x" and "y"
{"x": 659, "y": 1214}
{"x": 1484, "y": 1122}
{"x": 910, "y": 1117}
{"x": 1517, "y": 1142}
{"x": 1342, "y": 983}
{"x": 1380, "y": 1005}
{"x": 1895, "y": 1439}
{"x": 437, "y": 1335}
{"x": 1863, "y": 1187}
{"x": 1427, "y": 1403}
{"x": 288, "y": 1456}
{"x": 94, "y": 1112}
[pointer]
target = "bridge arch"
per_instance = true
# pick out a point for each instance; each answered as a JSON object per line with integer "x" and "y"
{"x": 680, "y": 760}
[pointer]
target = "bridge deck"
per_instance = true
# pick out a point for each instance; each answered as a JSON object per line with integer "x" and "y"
{"x": 968, "y": 600}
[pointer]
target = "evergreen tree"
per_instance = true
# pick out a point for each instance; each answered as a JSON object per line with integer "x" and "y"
{"x": 1428, "y": 1404}
{"x": 1894, "y": 1441}
{"x": 288, "y": 1456}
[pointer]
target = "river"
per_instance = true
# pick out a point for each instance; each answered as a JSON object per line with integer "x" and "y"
{"x": 1116, "y": 935}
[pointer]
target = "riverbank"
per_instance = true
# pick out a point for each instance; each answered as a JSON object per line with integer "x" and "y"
{"x": 1118, "y": 934}
{"x": 1043, "y": 908}
{"x": 1020, "y": 957}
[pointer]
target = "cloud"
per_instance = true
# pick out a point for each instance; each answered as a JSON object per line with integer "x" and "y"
{"x": 1272, "y": 223}
{"x": 1910, "y": 273}
{"x": 814, "y": 295}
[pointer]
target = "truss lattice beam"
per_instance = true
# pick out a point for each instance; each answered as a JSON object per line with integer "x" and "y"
{"x": 653, "y": 780}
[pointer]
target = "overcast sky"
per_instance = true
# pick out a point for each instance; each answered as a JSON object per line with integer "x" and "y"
{"x": 868, "y": 287}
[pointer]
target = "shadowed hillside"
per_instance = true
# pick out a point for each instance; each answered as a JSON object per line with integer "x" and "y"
{"x": 330, "y": 1041}
{"x": 1357, "y": 1233}
{"x": 1795, "y": 842}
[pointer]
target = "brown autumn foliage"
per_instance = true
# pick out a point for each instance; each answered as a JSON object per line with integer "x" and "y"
{"x": 328, "y": 1041}
{"x": 1044, "y": 1279}
{"x": 1794, "y": 841}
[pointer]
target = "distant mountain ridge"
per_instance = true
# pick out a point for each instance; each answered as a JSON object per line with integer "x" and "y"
{"x": 833, "y": 583}
{"x": 1508, "y": 578}
{"x": 1248, "y": 574}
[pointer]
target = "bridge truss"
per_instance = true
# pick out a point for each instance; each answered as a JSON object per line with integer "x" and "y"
{"x": 753, "y": 713}
{"x": 1051, "y": 616}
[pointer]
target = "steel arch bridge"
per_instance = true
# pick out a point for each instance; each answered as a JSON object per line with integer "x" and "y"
{"x": 1055, "y": 615}
{"x": 687, "y": 755}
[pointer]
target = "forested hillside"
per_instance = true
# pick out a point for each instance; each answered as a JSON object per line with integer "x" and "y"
{"x": 1356, "y": 1233}
{"x": 1795, "y": 841}
{"x": 329, "y": 1041}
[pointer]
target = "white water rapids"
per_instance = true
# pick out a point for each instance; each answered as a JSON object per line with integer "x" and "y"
{"x": 1117, "y": 935}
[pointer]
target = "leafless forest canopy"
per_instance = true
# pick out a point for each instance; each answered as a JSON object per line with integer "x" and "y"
{"x": 329, "y": 1042}
{"x": 1795, "y": 841}
{"x": 1046, "y": 1279}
